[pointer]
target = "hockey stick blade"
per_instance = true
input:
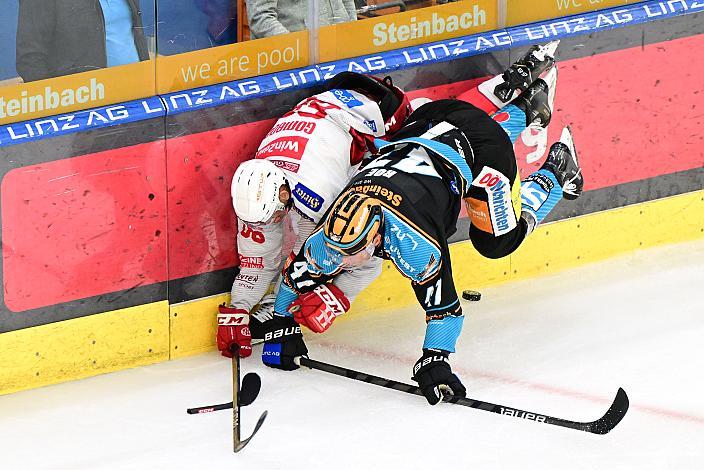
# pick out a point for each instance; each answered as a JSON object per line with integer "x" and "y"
{"x": 603, "y": 425}
{"x": 251, "y": 385}
{"x": 244, "y": 442}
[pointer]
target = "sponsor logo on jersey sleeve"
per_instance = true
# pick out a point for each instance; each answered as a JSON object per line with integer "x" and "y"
{"x": 479, "y": 214}
{"x": 308, "y": 197}
{"x": 498, "y": 190}
{"x": 254, "y": 262}
{"x": 347, "y": 98}
{"x": 289, "y": 147}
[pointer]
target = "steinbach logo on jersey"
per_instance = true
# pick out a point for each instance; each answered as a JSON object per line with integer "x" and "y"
{"x": 308, "y": 197}
{"x": 498, "y": 190}
{"x": 288, "y": 147}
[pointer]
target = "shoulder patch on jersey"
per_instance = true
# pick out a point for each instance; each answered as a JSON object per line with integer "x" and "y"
{"x": 347, "y": 98}
{"x": 498, "y": 190}
{"x": 308, "y": 197}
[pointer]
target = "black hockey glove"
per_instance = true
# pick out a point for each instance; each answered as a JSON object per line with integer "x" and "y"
{"x": 283, "y": 341}
{"x": 435, "y": 378}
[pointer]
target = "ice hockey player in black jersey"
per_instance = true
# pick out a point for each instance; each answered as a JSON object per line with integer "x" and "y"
{"x": 404, "y": 206}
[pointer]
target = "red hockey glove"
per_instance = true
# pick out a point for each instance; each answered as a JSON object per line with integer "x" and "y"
{"x": 233, "y": 332}
{"x": 317, "y": 309}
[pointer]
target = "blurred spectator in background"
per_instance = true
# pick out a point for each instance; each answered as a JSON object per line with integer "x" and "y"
{"x": 271, "y": 17}
{"x": 192, "y": 25}
{"x": 62, "y": 37}
{"x": 222, "y": 20}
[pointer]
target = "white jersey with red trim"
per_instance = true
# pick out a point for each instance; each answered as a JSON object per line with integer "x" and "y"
{"x": 319, "y": 146}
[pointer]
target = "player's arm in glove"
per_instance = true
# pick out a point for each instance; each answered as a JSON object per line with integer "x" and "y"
{"x": 318, "y": 308}
{"x": 283, "y": 342}
{"x": 435, "y": 378}
{"x": 233, "y": 335}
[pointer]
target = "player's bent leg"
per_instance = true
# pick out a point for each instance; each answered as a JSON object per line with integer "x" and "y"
{"x": 560, "y": 176}
{"x": 498, "y": 91}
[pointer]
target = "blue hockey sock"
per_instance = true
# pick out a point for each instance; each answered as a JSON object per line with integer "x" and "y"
{"x": 540, "y": 193}
{"x": 512, "y": 119}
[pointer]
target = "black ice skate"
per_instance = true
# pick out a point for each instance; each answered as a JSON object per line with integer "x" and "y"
{"x": 522, "y": 73}
{"x": 562, "y": 162}
{"x": 537, "y": 101}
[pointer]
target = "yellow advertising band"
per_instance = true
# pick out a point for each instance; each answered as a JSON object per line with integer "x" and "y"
{"x": 76, "y": 92}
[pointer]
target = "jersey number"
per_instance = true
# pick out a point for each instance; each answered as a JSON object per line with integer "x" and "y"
{"x": 297, "y": 274}
{"x": 411, "y": 164}
{"x": 249, "y": 232}
{"x": 433, "y": 296}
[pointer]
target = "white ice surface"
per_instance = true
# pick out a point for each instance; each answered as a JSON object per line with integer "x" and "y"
{"x": 560, "y": 345}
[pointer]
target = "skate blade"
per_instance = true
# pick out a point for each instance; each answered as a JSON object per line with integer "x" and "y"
{"x": 550, "y": 80}
{"x": 546, "y": 50}
{"x": 566, "y": 138}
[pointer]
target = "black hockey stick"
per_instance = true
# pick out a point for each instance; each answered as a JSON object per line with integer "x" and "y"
{"x": 249, "y": 390}
{"x": 606, "y": 423}
{"x": 237, "y": 442}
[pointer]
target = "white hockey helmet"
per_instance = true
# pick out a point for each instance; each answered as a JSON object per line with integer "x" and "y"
{"x": 255, "y": 190}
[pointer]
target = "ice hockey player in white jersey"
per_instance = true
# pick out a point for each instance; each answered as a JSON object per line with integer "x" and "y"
{"x": 300, "y": 167}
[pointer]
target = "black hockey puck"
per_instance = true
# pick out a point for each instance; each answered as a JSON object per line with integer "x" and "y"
{"x": 472, "y": 295}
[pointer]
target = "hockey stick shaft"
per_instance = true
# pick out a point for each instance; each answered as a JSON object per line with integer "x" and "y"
{"x": 600, "y": 426}
{"x": 209, "y": 408}
{"x": 235, "y": 401}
